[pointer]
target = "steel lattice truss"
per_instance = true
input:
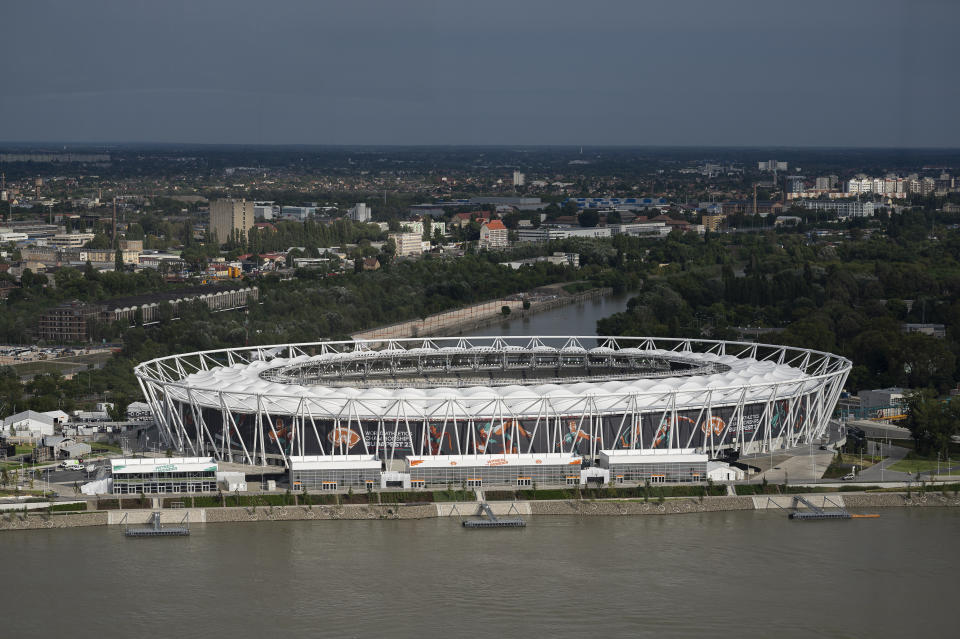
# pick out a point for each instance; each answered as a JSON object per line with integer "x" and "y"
{"x": 490, "y": 396}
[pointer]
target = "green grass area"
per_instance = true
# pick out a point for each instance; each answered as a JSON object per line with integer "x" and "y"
{"x": 102, "y": 447}
{"x": 89, "y": 358}
{"x": 26, "y": 369}
{"x": 578, "y": 287}
{"x": 23, "y": 450}
{"x": 127, "y": 503}
{"x": 780, "y": 489}
{"x": 914, "y": 463}
{"x": 841, "y": 466}
{"x": 68, "y": 507}
{"x": 62, "y": 365}
{"x": 609, "y": 492}
{"x": 910, "y": 444}
{"x": 251, "y": 501}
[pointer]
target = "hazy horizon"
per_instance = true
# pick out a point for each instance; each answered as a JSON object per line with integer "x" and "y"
{"x": 751, "y": 74}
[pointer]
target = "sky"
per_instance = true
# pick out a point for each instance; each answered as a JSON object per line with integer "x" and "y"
{"x": 878, "y": 73}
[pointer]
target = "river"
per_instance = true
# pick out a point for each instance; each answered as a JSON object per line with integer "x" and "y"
{"x": 573, "y": 319}
{"x": 753, "y": 574}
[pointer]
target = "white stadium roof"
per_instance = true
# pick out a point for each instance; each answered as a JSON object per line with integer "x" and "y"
{"x": 241, "y": 384}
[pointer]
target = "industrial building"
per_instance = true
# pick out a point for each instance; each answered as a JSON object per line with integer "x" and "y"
{"x": 29, "y": 423}
{"x": 70, "y": 322}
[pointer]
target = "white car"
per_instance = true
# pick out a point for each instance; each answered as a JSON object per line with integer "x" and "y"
{"x": 849, "y": 476}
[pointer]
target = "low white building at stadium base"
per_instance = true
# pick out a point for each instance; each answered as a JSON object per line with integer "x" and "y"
{"x": 662, "y": 466}
{"x": 475, "y": 471}
{"x": 161, "y": 475}
{"x": 333, "y": 472}
{"x": 485, "y": 403}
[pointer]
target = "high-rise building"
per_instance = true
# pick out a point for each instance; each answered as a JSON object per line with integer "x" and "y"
{"x": 493, "y": 235}
{"x": 890, "y": 185}
{"x": 843, "y": 209}
{"x": 826, "y": 183}
{"x": 519, "y": 179}
{"x": 794, "y": 184}
{"x": 360, "y": 213}
{"x": 713, "y": 222}
{"x": 772, "y": 165}
{"x": 407, "y": 244}
{"x": 230, "y": 218}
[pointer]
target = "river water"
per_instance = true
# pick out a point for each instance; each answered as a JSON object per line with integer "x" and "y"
{"x": 752, "y": 574}
{"x": 573, "y": 319}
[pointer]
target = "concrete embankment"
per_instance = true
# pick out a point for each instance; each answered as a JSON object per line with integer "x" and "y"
{"x": 578, "y": 507}
{"x": 476, "y": 316}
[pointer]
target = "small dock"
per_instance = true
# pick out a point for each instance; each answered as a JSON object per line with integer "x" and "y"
{"x": 815, "y": 512}
{"x": 156, "y": 529}
{"x": 492, "y": 521}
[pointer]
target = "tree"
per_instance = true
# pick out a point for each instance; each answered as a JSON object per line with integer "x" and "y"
{"x": 589, "y": 218}
{"x": 99, "y": 241}
{"x": 932, "y": 423}
{"x": 118, "y": 260}
{"x": 118, "y": 412}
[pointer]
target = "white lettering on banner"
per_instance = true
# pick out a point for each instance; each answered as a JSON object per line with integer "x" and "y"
{"x": 750, "y": 424}
{"x": 400, "y": 439}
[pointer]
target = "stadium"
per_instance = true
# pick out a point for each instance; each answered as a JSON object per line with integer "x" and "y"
{"x": 493, "y": 410}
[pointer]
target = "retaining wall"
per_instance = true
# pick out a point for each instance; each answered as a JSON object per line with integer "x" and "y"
{"x": 580, "y": 507}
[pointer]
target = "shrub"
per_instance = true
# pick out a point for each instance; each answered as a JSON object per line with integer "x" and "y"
{"x": 68, "y": 507}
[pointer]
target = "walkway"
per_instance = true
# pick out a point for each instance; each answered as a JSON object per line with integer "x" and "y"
{"x": 882, "y": 470}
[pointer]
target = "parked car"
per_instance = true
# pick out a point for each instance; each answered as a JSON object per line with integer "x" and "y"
{"x": 849, "y": 476}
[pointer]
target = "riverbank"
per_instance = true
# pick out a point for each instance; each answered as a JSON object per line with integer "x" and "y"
{"x": 473, "y": 317}
{"x": 577, "y": 507}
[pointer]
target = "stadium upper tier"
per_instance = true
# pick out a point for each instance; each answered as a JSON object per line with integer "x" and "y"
{"x": 488, "y": 377}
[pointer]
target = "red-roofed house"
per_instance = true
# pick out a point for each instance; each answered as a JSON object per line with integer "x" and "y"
{"x": 464, "y": 219}
{"x": 493, "y": 235}
{"x": 681, "y": 225}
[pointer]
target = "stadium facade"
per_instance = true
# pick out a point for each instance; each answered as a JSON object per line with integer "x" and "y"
{"x": 499, "y": 410}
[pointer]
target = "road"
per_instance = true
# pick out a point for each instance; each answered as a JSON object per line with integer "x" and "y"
{"x": 882, "y": 470}
{"x": 61, "y": 482}
{"x": 804, "y": 467}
